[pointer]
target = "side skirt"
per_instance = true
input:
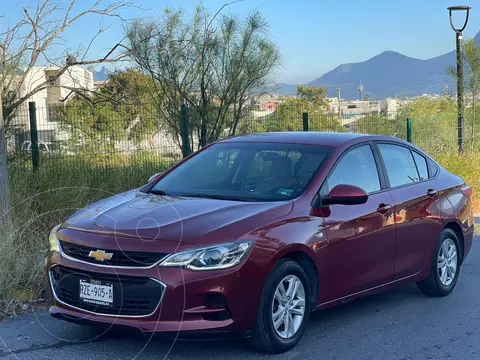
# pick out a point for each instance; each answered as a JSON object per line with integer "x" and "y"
{"x": 380, "y": 288}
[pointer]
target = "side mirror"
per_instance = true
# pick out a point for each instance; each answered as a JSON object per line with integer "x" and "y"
{"x": 345, "y": 195}
{"x": 154, "y": 176}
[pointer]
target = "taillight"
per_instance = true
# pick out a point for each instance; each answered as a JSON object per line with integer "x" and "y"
{"x": 467, "y": 191}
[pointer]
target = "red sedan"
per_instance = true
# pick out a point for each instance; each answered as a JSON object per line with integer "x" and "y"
{"x": 251, "y": 234}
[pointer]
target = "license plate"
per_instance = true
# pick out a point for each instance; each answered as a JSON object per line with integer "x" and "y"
{"x": 94, "y": 292}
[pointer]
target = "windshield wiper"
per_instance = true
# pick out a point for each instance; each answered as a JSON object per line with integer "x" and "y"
{"x": 219, "y": 197}
{"x": 158, "y": 192}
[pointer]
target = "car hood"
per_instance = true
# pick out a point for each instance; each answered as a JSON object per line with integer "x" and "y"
{"x": 197, "y": 221}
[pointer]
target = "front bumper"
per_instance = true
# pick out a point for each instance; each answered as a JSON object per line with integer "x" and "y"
{"x": 205, "y": 301}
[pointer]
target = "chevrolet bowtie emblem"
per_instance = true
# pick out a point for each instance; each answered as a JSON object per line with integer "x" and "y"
{"x": 100, "y": 255}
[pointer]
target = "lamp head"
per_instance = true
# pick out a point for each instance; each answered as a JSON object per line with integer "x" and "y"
{"x": 451, "y": 9}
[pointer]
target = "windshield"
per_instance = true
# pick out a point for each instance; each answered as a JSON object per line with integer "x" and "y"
{"x": 246, "y": 172}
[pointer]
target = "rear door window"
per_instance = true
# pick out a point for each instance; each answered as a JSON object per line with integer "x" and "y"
{"x": 433, "y": 168}
{"x": 421, "y": 163}
{"x": 399, "y": 164}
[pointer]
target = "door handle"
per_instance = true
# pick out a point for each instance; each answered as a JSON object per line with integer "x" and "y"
{"x": 383, "y": 208}
{"x": 432, "y": 192}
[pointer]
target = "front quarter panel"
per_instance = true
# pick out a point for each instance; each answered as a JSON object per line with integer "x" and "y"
{"x": 276, "y": 240}
{"x": 299, "y": 232}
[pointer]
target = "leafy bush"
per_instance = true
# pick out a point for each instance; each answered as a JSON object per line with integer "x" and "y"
{"x": 381, "y": 124}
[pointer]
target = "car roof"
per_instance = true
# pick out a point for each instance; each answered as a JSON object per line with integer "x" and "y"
{"x": 332, "y": 139}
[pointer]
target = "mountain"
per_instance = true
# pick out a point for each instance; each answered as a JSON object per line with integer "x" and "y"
{"x": 100, "y": 75}
{"x": 388, "y": 74}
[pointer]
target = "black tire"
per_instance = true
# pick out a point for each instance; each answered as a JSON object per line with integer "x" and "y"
{"x": 264, "y": 336}
{"x": 432, "y": 286}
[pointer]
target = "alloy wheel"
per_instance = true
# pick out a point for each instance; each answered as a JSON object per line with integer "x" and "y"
{"x": 288, "y": 307}
{"x": 447, "y": 262}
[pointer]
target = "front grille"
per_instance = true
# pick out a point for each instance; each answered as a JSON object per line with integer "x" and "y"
{"x": 132, "y": 296}
{"x": 119, "y": 258}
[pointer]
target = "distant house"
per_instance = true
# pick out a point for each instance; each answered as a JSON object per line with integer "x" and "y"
{"x": 270, "y": 106}
{"x": 351, "y": 111}
{"x": 389, "y": 107}
{"x": 58, "y": 90}
{"x": 358, "y": 107}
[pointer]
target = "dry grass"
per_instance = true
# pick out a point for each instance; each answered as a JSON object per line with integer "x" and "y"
{"x": 39, "y": 202}
{"x": 467, "y": 166}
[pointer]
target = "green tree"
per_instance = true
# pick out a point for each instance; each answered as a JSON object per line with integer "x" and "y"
{"x": 425, "y": 107}
{"x": 129, "y": 92}
{"x": 381, "y": 124}
{"x": 316, "y": 95}
{"x": 289, "y": 113}
{"x": 434, "y": 126}
{"x": 92, "y": 128}
{"x": 215, "y": 64}
{"x": 122, "y": 109}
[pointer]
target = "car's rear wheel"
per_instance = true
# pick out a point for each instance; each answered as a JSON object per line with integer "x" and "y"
{"x": 445, "y": 266}
{"x": 284, "y": 309}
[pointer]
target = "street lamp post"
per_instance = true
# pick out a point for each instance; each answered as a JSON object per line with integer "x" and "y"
{"x": 461, "y": 105}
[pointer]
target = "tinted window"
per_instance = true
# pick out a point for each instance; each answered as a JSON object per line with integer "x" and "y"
{"x": 246, "y": 171}
{"x": 399, "y": 164}
{"x": 421, "y": 165}
{"x": 358, "y": 168}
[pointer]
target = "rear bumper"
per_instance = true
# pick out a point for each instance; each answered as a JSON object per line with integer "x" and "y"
{"x": 185, "y": 304}
{"x": 467, "y": 221}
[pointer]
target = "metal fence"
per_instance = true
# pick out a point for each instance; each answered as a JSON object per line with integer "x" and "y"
{"x": 94, "y": 141}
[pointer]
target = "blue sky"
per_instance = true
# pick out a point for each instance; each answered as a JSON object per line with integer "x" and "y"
{"x": 314, "y": 35}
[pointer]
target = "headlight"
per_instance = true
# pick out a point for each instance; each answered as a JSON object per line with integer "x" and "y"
{"x": 210, "y": 258}
{"x": 53, "y": 240}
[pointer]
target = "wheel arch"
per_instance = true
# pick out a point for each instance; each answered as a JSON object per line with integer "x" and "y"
{"x": 456, "y": 228}
{"x": 304, "y": 256}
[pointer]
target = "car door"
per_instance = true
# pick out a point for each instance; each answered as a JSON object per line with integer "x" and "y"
{"x": 415, "y": 196}
{"x": 361, "y": 238}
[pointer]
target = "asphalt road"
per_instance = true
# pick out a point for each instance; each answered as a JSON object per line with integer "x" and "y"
{"x": 401, "y": 324}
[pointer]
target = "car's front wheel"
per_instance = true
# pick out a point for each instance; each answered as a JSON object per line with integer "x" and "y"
{"x": 445, "y": 266}
{"x": 284, "y": 309}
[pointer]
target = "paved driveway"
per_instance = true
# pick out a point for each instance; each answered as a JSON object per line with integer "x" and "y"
{"x": 401, "y": 324}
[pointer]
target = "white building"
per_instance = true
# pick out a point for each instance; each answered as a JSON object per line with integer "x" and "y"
{"x": 389, "y": 107}
{"x": 57, "y": 91}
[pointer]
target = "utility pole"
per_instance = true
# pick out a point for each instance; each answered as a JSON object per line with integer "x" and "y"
{"x": 360, "y": 90}
{"x": 4, "y": 188}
